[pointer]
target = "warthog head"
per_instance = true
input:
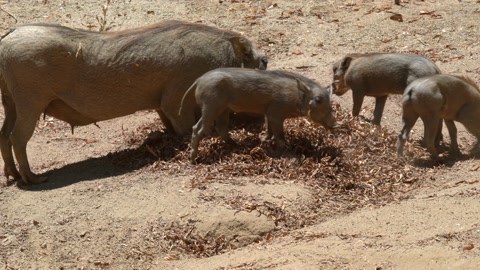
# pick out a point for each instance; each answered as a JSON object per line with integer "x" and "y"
{"x": 339, "y": 87}
{"x": 319, "y": 108}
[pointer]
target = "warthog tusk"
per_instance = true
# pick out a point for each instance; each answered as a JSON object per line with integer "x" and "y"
{"x": 79, "y": 50}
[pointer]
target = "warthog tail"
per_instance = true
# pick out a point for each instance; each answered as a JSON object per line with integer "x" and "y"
{"x": 185, "y": 95}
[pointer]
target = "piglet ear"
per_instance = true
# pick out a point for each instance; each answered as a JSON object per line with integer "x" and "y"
{"x": 346, "y": 62}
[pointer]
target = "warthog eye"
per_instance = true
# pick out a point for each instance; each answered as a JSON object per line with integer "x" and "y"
{"x": 264, "y": 60}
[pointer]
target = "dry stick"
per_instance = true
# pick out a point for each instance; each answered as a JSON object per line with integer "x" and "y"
{"x": 1, "y": 8}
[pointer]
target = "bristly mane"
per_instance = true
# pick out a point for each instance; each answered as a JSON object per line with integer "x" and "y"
{"x": 139, "y": 33}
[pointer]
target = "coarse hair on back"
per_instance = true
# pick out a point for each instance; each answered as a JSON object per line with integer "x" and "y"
{"x": 295, "y": 76}
{"x": 133, "y": 35}
{"x": 180, "y": 27}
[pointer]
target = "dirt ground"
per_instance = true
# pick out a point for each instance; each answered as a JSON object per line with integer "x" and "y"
{"x": 114, "y": 202}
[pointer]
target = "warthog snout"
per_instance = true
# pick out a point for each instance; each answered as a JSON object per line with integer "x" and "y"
{"x": 320, "y": 111}
{"x": 339, "y": 88}
{"x": 263, "y": 63}
{"x": 330, "y": 122}
{"x": 333, "y": 87}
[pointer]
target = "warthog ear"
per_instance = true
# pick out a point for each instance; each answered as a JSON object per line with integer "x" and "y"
{"x": 307, "y": 93}
{"x": 346, "y": 62}
{"x": 302, "y": 87}
{"x": 241, "y": 46}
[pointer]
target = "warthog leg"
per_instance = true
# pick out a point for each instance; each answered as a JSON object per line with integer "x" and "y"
{"x": 166, "y": 122}
{"x": 466, "y": 116}
{"x": 199, "y": 131}
{"x": 27, "y": 116}
{"x": 472, "y": 126}
{"x": 409, "y": 119}
{"x": 452, "y": 130}
{"x": 195, "y": 140}
{"x": 430, "y": 132}
{"x": 379, "y": 106}
{"x": 5, "y": 144}
{"x": 276, "y": 125}
{"x": 269, "y": 135}
{"x": 439, "y": 136}
{"x": 357, "y": 102}
{"x": 213, "y": 115}
{"x": 174, "y": 123}
{"x": 221, "y": 125}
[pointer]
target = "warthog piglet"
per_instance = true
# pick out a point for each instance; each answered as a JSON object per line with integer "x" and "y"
{"x": 433, "y": 98}
{"x": 378, "y": 75}
{"x": 276, "y": 94}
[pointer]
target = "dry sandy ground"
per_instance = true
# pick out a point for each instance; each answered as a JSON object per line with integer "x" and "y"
{"x": 93, "y": 214}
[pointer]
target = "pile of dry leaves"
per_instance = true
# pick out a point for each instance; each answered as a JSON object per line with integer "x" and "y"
{"x": 350, "y": 167}
{"x": 356, "y": 159}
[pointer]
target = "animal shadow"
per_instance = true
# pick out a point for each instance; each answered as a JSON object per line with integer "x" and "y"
{"x": 444, "y": 159}
{"x": 164, "y": 147}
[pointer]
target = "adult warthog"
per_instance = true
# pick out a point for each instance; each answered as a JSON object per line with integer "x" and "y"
{"x": 83, "y": 77}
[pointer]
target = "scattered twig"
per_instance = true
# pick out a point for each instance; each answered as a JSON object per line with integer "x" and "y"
{"x": 9, "y": 14}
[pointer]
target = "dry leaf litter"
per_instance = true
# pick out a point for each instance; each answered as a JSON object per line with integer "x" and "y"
{"x": 351, "y": 167}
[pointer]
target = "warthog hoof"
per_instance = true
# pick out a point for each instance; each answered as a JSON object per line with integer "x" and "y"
{"x": 454, "y": 151}
{"x": 193, "y": 157}
{"x": 31, "y": 178}
{"x": 11, "y": 172}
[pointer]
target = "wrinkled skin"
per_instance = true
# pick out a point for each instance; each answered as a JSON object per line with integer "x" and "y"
{"x": 83, "y": 77}
{"x": 447, "y": 97}
{"x": 378, "y": 75}
{"x": 276, "y": 94}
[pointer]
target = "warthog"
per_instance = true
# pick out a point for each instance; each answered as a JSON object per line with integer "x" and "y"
{"x": 276, "y": 94}
{"x": 83, "y": 77}
{"x": 378, "y": 75}
{"x": 433, "y": 98}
